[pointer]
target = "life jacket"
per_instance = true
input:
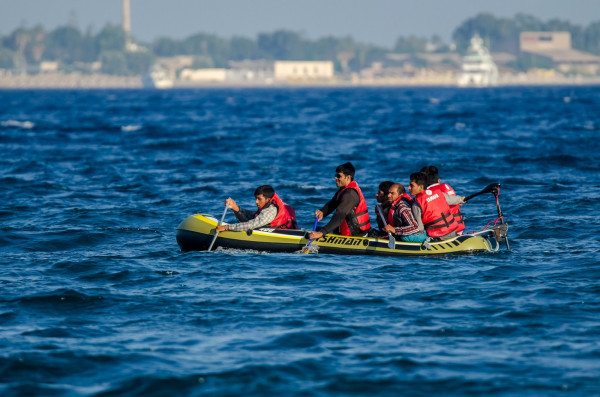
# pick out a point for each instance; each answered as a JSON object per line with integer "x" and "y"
{"x": 407, "y": 199}
{"x": 286, "y": 216}
{"x": 436, "y": 216}
{"x": 454, "y": 209}
{"x": 357, "y": 221}
{"x": 292, "y": 213}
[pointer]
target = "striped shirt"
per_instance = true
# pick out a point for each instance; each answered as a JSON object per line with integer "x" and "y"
{"x": 405, "y": 223}
{"x": 248, "y": 221}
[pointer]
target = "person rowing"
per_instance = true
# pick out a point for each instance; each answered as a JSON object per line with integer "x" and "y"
{"x": 272, "y": 212}
{"x": 383, "y": 202}
{"x": 400, "y": 220}
{"x": 351, "y": 216}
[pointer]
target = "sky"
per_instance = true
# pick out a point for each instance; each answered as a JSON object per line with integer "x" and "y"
{"x": 378, "y": 22}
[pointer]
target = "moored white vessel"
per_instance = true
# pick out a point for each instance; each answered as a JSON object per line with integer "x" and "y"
{"x": 478, "y": 67}
{"x": 157, "y": 78}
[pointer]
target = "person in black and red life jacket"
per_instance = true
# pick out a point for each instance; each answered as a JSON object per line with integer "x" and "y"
{"x": 400, "y": 220}
{"x": 435, "y": 184}
{"x": 383, "y": 202}
{"x": 272, "y": 212}
{"x": 351, "y": 216}
{"x": 432, "y": 209}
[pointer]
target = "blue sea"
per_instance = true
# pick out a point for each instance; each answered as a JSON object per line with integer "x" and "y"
{"x": 98, "y": 300}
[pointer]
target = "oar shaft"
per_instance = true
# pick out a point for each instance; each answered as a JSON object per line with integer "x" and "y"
{"x": 381, "y": 215}
{"x": 314, "y": 228}
{"x": 474, "y": 195}
{"x": 392, "y": 240}
{"x": 217, "y": 233}
{"x": 491, "y": 188}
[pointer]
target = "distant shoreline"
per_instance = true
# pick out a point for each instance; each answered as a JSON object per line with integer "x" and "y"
{"x": 98, "y": 81}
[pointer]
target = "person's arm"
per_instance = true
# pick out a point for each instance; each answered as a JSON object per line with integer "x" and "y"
{"x": 265, "y": 217}
{"x": 329, "y": 207}
{"x": 348, "y": 202}
{"x": 454, "y": 200}
{"x": 418, "y": 215}
{"x": 410, "y": 225}
{"x": 243, "y": 215}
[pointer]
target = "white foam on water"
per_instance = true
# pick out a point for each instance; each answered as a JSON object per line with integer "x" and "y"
{"x": 313, "y": 249}
{"x": 15, "y": 123}
{"x": 130, "y": 128}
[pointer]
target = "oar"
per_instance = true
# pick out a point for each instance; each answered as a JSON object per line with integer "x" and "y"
{"x": 491, "y": 188}
{"x": 392, "y": 240}
{"x": 306, "y": 249}
{"x": 217, "y": 233}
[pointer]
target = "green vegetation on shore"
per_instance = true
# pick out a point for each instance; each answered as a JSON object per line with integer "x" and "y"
{"x": 25, "y": 48}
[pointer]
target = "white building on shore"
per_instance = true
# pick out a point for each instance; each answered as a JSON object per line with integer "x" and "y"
{"x": 303, "y": 70}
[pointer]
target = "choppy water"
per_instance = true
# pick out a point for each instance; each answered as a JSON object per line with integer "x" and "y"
{"x": 98, "y": 300}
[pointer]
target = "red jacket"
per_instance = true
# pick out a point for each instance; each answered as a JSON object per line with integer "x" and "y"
{"x": 454, "y": 209}
{"x": 286, "y": 216}
{"x": 358, "y": 217}
{"x": 436, "y": 216}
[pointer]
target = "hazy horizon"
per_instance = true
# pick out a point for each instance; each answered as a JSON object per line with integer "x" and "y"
{"x": 378, "y": 22}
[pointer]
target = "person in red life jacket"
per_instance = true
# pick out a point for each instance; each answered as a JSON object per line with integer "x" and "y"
{"x": 272, "y": 212}
{"x": 400, "y": 220}
{"x": 351, "y": 216}
{"x": 435, "y": 184}
{"x": 383, "y": 202}
{"x": 432, "y": 209}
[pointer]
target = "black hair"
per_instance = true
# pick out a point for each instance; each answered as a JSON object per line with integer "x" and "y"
{"x": 432, "y": 174}
{"x": 401, "y": 189}
{"x": 266, "y": 190}
{"x": 420, "y": 178}
{"x": 385, "y": 186}
{"x": 346, "y": 169}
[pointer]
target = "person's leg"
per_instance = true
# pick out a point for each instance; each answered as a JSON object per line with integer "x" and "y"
{"x": 415, "y": 238}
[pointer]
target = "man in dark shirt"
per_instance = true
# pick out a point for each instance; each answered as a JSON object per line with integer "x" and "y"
{"x": 351, "y": 216}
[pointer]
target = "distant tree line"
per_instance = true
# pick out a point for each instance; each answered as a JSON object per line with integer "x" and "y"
{"x": 77, "y": 50}
{"x": 502, "y": 34}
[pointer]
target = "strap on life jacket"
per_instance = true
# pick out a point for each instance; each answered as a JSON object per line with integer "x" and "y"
{"x": 443, "y": 218}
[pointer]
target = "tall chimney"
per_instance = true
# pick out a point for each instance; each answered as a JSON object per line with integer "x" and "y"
{"x": 126, "y": 18}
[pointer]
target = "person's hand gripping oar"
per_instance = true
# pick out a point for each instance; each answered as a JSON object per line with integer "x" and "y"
{"x": 306, "y": 249}
{"x": 392, "y": 240}
{"x": 219, "y": 224}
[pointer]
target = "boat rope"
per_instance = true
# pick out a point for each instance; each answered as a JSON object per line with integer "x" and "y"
{"x": 486, "y": 227}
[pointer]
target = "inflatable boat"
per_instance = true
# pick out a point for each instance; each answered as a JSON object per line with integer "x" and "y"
{"x": 196, "y": 233}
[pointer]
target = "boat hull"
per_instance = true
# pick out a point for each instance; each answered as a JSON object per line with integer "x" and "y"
{"x": 196, "y": 232}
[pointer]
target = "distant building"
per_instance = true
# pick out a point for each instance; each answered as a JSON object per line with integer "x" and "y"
{"x": 556, "y": 46}
{"x": 204, "y": 75}
{"x": 48, "y": 66}
{"x": 259, "y": 71}
{"x": 303, "y": 70}
{"x": 545, "y": 41}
